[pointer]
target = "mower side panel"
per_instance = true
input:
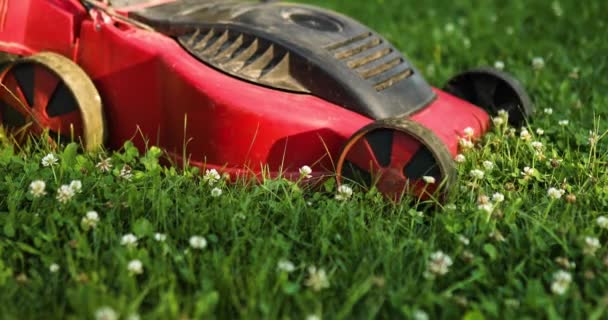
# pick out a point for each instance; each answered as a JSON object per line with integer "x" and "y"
{"x": 153, "y": 90}
{"x": 448, "y": 116}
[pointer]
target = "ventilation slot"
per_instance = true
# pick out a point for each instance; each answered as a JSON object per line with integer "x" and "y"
{"x": 246, "y": 53}
{"x": 347, "y": 42}
{"x": 274, "y": 63}
{"x": 215, "y": 44}
{"x": 372, "y": 72}
{"x": 385, "y": 84}
{"x": 228, "y": 50}
{"x": 370, "y": 58}
{"x": 372, "y": 43}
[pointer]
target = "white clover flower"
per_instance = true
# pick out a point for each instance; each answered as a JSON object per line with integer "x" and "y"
{"x": 498, "y": 197}
{"x": 498, "y": 121}
{"x": 317, "y": 279}
{"x": 602, "y": 222}
{"x": 286, "y": 266}
{"x": 135, "y": 267}
{"x": 37, "y": 188}
{"x": 89, "y": 221}
{"x": 129, "y": 240}
{"x": 211, "y": 176}
{"x": 538, "y": 63}
{"x": 344, "y": 193}
{"x": 499, "y": 65}
{"x": 487, "y": 207}
{"x": 313, "y": 317}
{"x": 561, "y": 282}
{"x": 160, "y": 237}
{"x": 564, "y": 123}
{"x": 488, "y": 165}
{"x": 464, "y": 240}
{"x": 525, "y": 135}
{"x": 49, "y": 160}
{"x": 469, "y": 132}
{"x": 305, "y": 172}
{"x": 565, "y": 262}
{"x": 104, "y": 165}
{"x": 450, "y": 206}
{"x": 439, "y": 264}
{"x": 125, "y": 173}
{"x": 557, "y": 8}
{"x": 198, "y": 242}
{"x": 497, "y": 235}
{"x": 591, "y": 246}
{"x": 449, "y": 27}
{"x": 65, "y": 194}
{"x": 548, "y": 111}
{"x": 528, "y": 172}
{"x": 429, "y": 179}
{"x": 555, "y": 193}
{"x": 540, "y": 131}
{"x": 460, "y": 158}
{"x": 477, "y": 174}
{"x": 53, "y": 267}
{"x": 593, "y": 138}
{"x": 536, "y": 145}
{"x": 503, "y": 114}
{"x": 106, "y": 313}
{"x": 420, "y": 315}
{"x": 466, "y": 144}
{"x": 216, "y": 192}
{"x": 76, "y": 186}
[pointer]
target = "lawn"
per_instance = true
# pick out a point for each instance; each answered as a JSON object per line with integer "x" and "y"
{"x": 521, "y": 235}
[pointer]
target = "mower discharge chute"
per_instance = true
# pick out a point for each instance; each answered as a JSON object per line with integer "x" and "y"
{"x": 249, "y": 84}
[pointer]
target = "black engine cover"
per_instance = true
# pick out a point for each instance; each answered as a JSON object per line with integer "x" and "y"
{"x": 298, "y": 48}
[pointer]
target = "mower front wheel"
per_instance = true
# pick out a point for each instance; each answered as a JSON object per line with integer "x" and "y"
{"x": 399, "y": 157}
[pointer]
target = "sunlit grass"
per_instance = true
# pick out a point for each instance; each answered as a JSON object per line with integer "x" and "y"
{"x": 522, "y": 233}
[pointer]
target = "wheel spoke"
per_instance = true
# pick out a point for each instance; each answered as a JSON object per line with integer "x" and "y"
{"x": 45, "y": 86}
{"x": 13, "y": 96}
{"x": 63, "y": 124}
{"x": 403, "y": 148}
{"x": 363, "y": 156}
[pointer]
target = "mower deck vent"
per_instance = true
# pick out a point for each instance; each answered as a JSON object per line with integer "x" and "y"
{"x": 393, "y": 79}
{"x": 372, "y": 59}
{"x": 245, "y": 56}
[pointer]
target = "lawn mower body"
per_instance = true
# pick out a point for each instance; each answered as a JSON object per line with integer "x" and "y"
{"x": 168, "y": 74}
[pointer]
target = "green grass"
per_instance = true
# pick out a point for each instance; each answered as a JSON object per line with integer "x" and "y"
{"x": 375, "y": 254}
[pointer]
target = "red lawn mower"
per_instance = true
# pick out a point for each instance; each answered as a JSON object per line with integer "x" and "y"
{"x": 242, "y": 87}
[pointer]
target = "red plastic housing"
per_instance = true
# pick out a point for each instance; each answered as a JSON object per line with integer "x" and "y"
{"x": 154, "y": 91}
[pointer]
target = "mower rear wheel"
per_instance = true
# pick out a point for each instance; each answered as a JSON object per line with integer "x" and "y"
{"x": 493, "y": 90}
{"x": 47, "y": 91}
{"x": 396, "y": 156}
